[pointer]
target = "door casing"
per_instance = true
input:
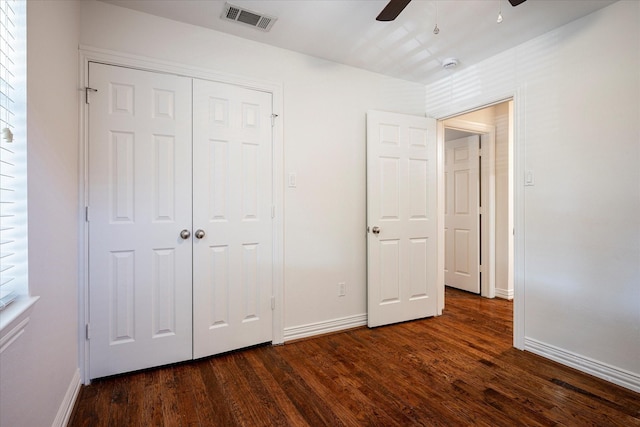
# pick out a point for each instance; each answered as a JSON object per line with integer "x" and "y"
{"x": 88, "y": 54}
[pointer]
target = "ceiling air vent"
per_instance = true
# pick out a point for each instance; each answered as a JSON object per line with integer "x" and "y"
{"x": 256, "y": 20}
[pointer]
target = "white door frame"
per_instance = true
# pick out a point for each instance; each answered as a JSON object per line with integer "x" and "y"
{"x": 518, "y": 96}
{"x": 89, "y": 54}
{"x": 488, "y": 197}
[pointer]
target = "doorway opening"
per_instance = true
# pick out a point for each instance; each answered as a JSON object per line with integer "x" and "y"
{"x": 477, "y": 171}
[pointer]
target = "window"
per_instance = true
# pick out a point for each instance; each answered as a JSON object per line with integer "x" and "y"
{"x": 13, "y": 194}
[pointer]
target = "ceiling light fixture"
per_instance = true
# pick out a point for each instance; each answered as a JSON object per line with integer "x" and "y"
{"x": 499, "y": 20}
{"x": 449, "y": 63}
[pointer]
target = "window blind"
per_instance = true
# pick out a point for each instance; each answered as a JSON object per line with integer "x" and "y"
{"x": 8, "y": 171}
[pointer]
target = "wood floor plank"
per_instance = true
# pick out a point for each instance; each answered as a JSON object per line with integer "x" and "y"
{"x": 398, "y": 389}
{"x": 255, "y": 404}
{"x": 222, "y": 402}
{"x": 176, "y": 411}
{"x": 191, "y": 400}
{"x": 432, "y": 382}
{"x": 152, "y": 414}
{"x": 357, "y": 403}
{"x": 120, "y": 400}
{"x": 313, "y": 409}
{"x": 456, "y": 369}
{"x": 279, "y": 396}
{"x": 92, "y": 406}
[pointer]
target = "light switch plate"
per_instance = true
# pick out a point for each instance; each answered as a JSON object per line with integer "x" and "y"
{"x": 529, "y": 179}
{"x": 293, "y": 180}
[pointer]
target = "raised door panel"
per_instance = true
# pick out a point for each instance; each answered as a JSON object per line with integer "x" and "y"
{"x": 121, "y": 283}
{"x": 164, "y": 172}
{"x": 389, "y": 189}
{"x": 418, "y": 192}
{"x": 217, "y": 300}
{"x": 389, "y": 271}
{"x": 418, "y": 268}
{"x": 121, "y": 186}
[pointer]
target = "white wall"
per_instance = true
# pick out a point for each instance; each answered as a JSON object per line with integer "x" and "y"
{"x": 324, "y": 144}
{"x": 578, "y": 128}
{"x": 39, "y": 368}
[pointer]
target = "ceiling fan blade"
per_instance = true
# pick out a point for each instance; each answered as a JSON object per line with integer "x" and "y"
{"x": 392, "y": 10}
{"x": 516, "y": 2}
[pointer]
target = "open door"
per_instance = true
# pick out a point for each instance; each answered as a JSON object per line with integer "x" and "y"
{"x": 401, "y": 218}
{"x": 462, "y": 214}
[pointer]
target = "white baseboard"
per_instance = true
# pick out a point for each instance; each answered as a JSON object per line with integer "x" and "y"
{"x": 66, "y": 407}
{"x": 504, "y": 293}
{"x": 333, "y": 325}
{"x": 598, "y": 369}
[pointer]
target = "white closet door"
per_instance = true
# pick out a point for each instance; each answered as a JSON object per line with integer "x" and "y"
{"x": 139, "y": 201}
{"x": 232, "y": 207}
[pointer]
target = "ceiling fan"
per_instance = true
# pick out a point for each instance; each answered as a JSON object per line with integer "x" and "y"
{"x": 394, "y": 7}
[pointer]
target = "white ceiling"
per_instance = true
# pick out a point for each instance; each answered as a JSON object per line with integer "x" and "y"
{"x": 346, "y": 31}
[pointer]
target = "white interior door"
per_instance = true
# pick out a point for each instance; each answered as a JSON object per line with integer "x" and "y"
{"x": 462, "y": 214}
{"x": 139, "y": 201}
{"x": 233, "y": 262}
{"x": 401, "y": 218}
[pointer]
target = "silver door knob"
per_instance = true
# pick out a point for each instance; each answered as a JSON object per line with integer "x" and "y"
{"x": 185, "y": 234}
{"x": 199, "y": 234}
{"x": 375, "y": 230}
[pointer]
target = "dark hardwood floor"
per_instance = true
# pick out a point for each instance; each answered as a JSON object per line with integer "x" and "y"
{"x": 454, "y": 370}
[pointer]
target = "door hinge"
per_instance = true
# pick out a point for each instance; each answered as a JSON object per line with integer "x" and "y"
{"x": 273, "y": 211}
{"x": 88, "y": 331}
{"x": 86, "y": 213}
{"x": 273, "y": 302}
{"x": 86, "y": 93}
{"x": 273, "y": 119}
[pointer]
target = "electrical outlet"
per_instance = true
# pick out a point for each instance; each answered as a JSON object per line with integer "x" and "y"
{"x": 342, "y": 289}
